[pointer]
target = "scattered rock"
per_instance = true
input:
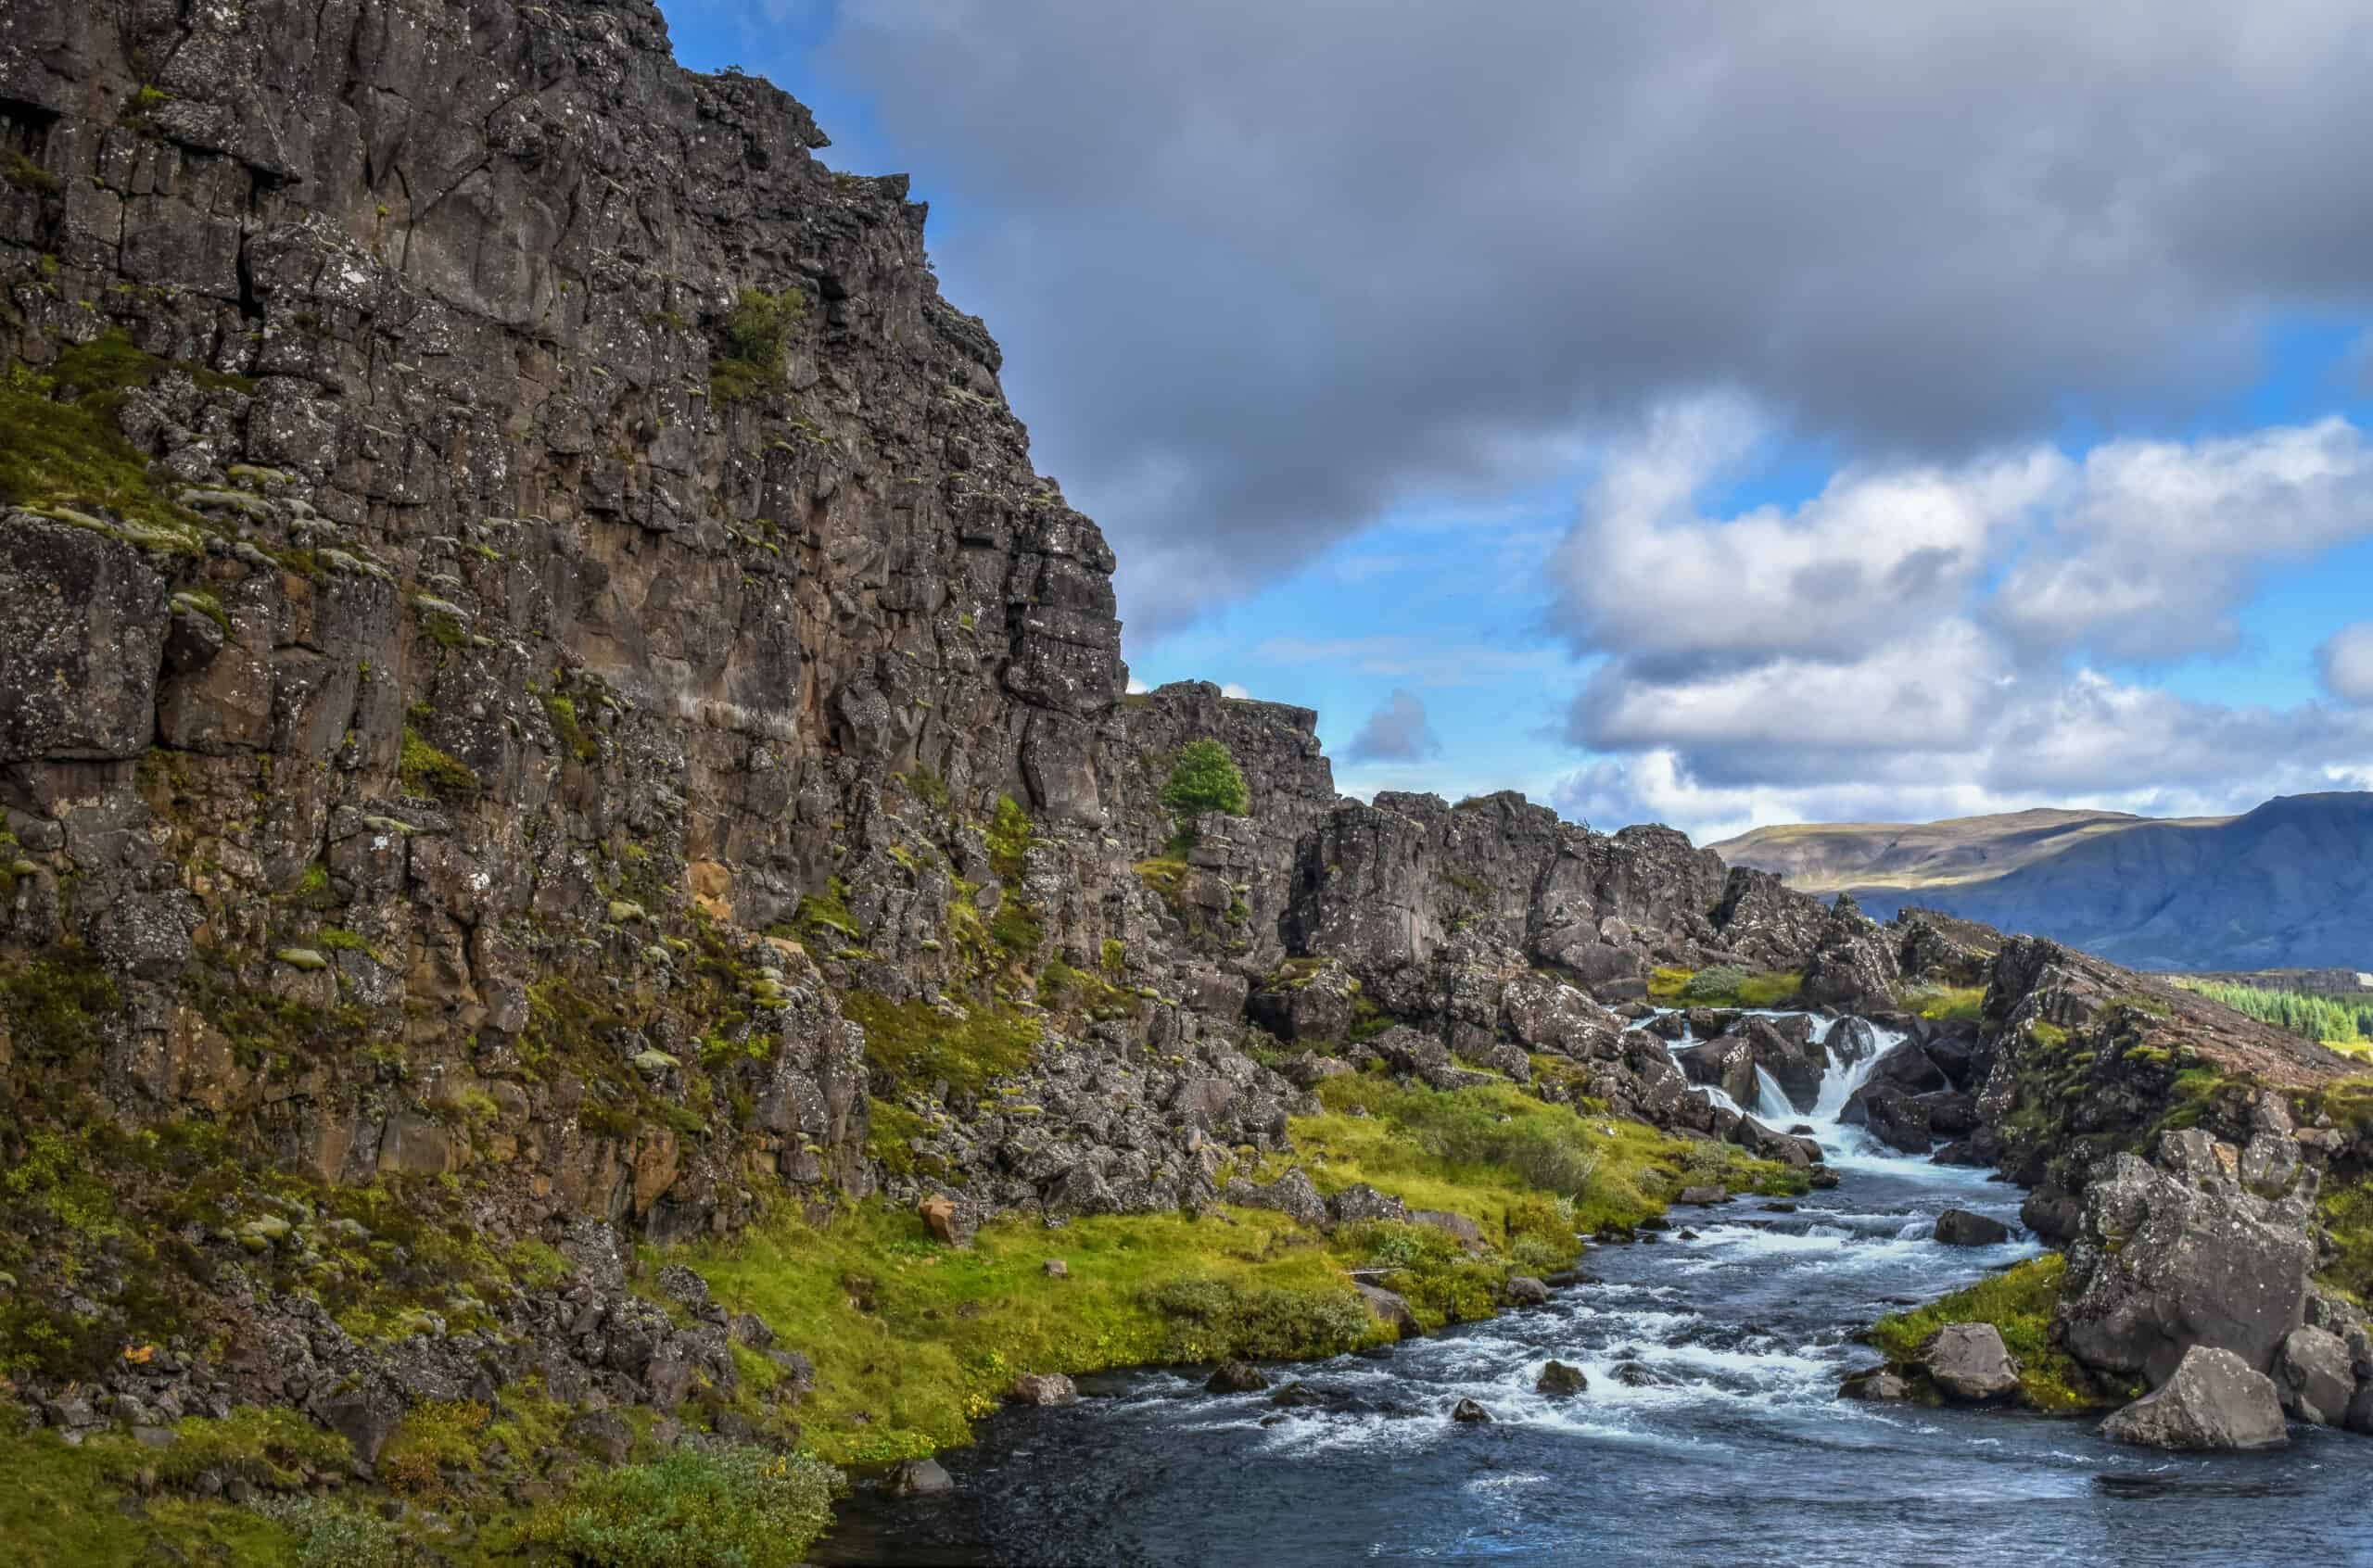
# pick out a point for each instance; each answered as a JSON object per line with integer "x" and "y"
{"x": 1876, "y": 1385}
{"x": 1958, "y": 1227}
{"x": 1559, "y": 1381}
{"x": 1523, "y": 1290}
{"x": 1971, "y": 1365}
{"x": 919, "y": 1477}
{"x": 945, "y": 1218}
{"x": 1390, "y": 1307}
{"x": 1055, "y": 1268}
{"x": 2213, "y": 1401}
{"x": 1468, "y": 1411}
{"x": 1237, "y": 1377}
{"x": 1703, "y": 1197}
{"x": 604, "y": 1435}
{"x": 1044, "y": 1388}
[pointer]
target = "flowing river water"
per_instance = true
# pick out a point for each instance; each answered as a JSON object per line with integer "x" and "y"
{"x": 1710, "y": 1432}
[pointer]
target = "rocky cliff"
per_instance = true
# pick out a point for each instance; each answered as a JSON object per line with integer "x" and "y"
{"x": 540, "y": 679}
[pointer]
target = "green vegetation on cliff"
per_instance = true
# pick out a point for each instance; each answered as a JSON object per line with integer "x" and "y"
{"x": 1723, "y": 986}
{"x": 1206, "y": 779}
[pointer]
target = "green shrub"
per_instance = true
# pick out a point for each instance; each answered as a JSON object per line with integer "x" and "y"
{"x": 724, "y": 1505}
{"x": 1217, "y": 1320}
{"x": 1206, "y": 779}
{"x": 331, "y": 1534}
{"x": 758, "y": 336}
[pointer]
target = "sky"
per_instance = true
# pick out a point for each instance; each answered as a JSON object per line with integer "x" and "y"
{"x": 1704, "y": 413}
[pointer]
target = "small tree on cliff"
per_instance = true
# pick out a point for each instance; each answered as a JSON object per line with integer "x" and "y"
{"x": 1205, "y": 778}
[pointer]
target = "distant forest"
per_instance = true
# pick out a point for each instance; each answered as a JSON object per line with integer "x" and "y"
{"x": 2336, "y": 1021}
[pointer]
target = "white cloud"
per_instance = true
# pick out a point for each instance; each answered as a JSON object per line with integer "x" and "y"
{"x": 2346, "y": 663}
{"x": 1912, "y": 640}
{"x": 2162, "y": 541}
{"x": 1138, "y": 687}
{"x": 1232, "y": 690}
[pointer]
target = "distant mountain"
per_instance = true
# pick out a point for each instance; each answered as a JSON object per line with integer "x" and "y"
{"x": 2286, "y": 886}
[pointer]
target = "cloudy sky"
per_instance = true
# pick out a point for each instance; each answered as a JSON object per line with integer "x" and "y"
{"x": 1701, "y": 412}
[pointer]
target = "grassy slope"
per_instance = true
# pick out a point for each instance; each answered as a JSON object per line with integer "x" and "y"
{"x": 912, "y": 1339}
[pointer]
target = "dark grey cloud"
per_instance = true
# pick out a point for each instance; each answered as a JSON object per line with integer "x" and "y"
{"x": 1263, "y": 266}
{"x": 1396, "y": 732}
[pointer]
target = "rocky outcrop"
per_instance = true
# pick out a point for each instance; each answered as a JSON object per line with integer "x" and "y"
{"x": 2212, "y": 1400}
{"x": 2210, "y": 1246}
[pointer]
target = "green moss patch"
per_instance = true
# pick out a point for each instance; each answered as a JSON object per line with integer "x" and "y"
{"x": 2019, "y": 1302}
{"x": 914, "y": 1046}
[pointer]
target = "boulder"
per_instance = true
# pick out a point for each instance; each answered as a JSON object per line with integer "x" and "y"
{"x": 1958, "y": 1227}
{"x": 1290, "y": 1194}
{"x": 1559, "y": 1381}
{"x": 1703, "y": 1197}
{"x": 1459, "y": 1226}
{"x": 1358, "y": 1201}
{"x": 1851, "y": 1040}
{"x": 1876, "y": 1385}
{"x": 1889, "y": 1114}
{"x": 2180, "y": 1254}
{"x": 2212, "y": 1400}
{"x": 1906, "y": 1065}
{"x": 1310, "y": 1070}
{"x": 1523, "y": 1290}
{"x": 1237, "y": 1377}
{"x": 946, "y": 1219}
{"x": 919, "y": 1477}
{"x": 1389, "y": 1308}
{"x": 1971, "y": 1365}
{"x": 603, "y": 1434}
{"x": 1042, "y": 1388}
{"x": 1727, "y": 1064}
{"x": 1468, "y": 1411}
{"x": 2315, "y": 1376}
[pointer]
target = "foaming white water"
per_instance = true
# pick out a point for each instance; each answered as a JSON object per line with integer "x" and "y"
{"x": 1772, "y": 1101}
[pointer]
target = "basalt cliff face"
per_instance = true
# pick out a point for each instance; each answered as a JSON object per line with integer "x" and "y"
{"x": 536, "y": 665}
{"x": 543, "y": 707}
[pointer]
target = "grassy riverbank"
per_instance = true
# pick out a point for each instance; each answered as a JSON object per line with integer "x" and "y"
{"x": 913, "y": 1340}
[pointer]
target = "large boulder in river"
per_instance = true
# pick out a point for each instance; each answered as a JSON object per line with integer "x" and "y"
{"x": 1890, "y": 1114}
{"x": 2183, "y": 1254}
{"x": 1971, "y": 1365}
{"x": 1850, "y": 1040}
{"x": 1908, "y": 1066}
{"x": 1958, "y": 1227}
{"x": 2315, "y": 1376}
{"x": 1728, "y": 1064}
{"x": 2212, "y": 1400}
{"x": 1559, "y": 1381}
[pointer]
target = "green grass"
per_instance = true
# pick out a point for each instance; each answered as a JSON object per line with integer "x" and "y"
{"x": 57, "y": 1504}
{"x": 1724, "y": 986}
{"x": 2019, "y": 1303}
{"x": 913, "y": 1340}
{"x": 1008, "y": 835}
{"x": 734, "y": 1505}
{"x": 1944, "y": 1004}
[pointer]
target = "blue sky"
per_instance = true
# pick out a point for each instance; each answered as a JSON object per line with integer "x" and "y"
{"x": 1694, "y": 416}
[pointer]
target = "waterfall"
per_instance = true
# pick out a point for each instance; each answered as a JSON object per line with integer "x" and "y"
{"x": 1771, "y": 1103}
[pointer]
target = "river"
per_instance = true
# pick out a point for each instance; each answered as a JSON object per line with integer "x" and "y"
{"x": 1724, "y": 1443}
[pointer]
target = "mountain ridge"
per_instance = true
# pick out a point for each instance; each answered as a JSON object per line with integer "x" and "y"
{"x": 2281, "y": 886}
